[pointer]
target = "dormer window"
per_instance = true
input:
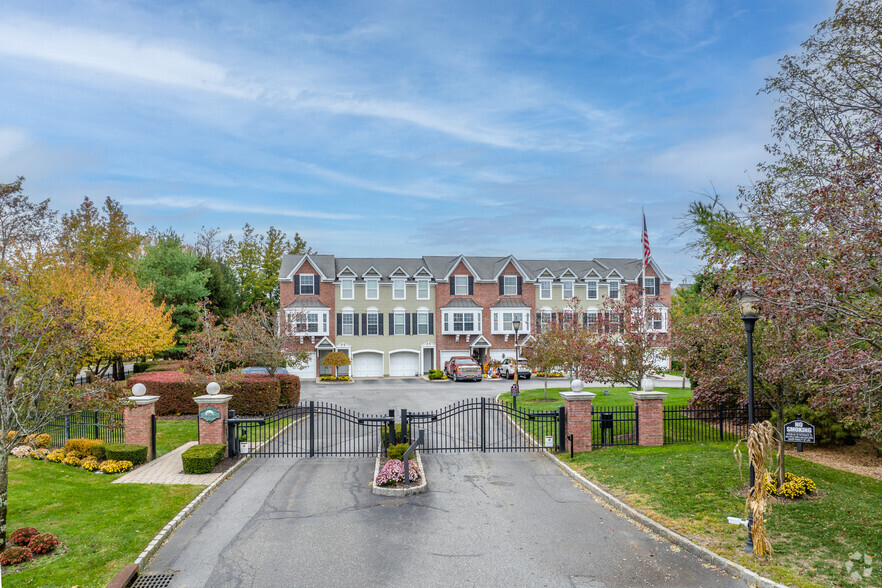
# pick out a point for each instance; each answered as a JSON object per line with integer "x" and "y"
{"x": 307, "y": 283}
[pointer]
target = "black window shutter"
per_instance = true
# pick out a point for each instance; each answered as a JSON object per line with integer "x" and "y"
{"x": 296, "y": 285}
{"x": 657, "y": 285}
{"x": 339, "y": 323}
{"x": 380, "y": 323}
{"x": 585, "y": 318}
{"x": 640, "y": 285}
{"x": 431, "y": 323}
{"x": 316, "y": 281}
{"x": 501, "y": 285}
{"x": 520, "y": 285}
{"x": 471, "y": 285}
{"x": 413, "y": 326}
{"x": 391, "y": 324}
{"x": 452, "y": 285}
{"x": 364, "y": 323}
{"x": 407, "y": 323}
{"x": 554, "y": 317}
{"x": 355, "y": 324}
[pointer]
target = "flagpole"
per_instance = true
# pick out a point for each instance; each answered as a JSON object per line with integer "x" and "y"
{"x": 643, "y": 257}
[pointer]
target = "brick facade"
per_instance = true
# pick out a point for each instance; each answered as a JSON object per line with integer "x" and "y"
{"x": 578, "y": 415}
{"x": 650, "y": 420}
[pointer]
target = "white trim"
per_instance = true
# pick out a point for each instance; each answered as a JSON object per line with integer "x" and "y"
{"x": 428, "y": 282}
{"x": 545, "y": 270}
{"x": 511, "y": 260}
{"x": 366, "y": 280}
{"x": 406, "y": 275}
{"x": 423, "y": 269}
{"x": 353, "y": 288}
{"x": 481, "y": 338}
{"x": 367, "y": 351}
{"x": 550, "y": 283}
{"x": 347, "y": 269}
{"x": 403, "y": 282}
{"x": 368, "y": 270}
{"x": 300, "y": 284}
{"x": 315, "y": 266}
{"x": 563, "y": 292}
{"x": 616, "y": 272}
{"x": 456, "y": 263}
{"x": 592, "y": 271}
{"x": 596, "y": 289}
{"x": 404, "y": 351}
{"x": 504, "y": 285}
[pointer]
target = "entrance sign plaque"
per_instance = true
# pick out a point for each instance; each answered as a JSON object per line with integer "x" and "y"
{"x": 799, "y": 431}
{"x": 209, "y": 414}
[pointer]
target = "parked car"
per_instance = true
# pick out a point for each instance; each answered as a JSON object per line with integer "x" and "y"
{"x": 463, "y": 368}
{"x": 507, "y": 369}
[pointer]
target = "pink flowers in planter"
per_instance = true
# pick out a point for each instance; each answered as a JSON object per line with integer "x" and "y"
{"x": 393, "y": 472}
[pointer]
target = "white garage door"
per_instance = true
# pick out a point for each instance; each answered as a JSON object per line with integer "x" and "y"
{"x": 404, "y": 363}
{"x": 367, "y": 365}
{"x": 307, "y": 372}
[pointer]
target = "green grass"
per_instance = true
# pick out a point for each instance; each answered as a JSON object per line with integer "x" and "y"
{"x": 104, "y": 526}
{"x": 534, "y": 399}
{"x": 693, "y": 488}
{"x": 171, "y": 434}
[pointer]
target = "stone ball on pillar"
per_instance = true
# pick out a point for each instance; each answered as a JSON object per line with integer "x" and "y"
{"x": 139, "y": 390}
{"x": 213, "y": 388}
{"x": 648, "y": 384}
{"x": 577, "y": 385}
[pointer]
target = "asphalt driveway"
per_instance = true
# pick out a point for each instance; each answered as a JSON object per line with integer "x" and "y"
{"x": 511, "y": 519}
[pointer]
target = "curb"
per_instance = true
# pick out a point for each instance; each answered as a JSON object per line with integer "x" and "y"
{"x": 382, "y": 491}
{"x": 163, "y": 534}
{"x": 732, "y": 568}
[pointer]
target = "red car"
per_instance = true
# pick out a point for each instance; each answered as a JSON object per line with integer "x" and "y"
{"x": 463, "y": 368}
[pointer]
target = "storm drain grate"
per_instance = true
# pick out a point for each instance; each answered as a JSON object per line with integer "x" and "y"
{"x": 154, "y": 581}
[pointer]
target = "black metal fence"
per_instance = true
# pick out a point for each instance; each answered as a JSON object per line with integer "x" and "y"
{"x": 688, "y": 424}
{"x": 83, "y": 380}
{"x": 90, "y": 424}
{"x": 614, "y": 426}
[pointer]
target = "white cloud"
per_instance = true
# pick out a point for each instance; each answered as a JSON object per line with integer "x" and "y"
{"x": 219, "y": 206}
{"x": 146, "y": 60}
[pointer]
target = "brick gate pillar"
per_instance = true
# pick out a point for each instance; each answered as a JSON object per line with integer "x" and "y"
{"x": 138, "y": 418}
{"x": 577, "y": 406}
{"x": 213, "y": 409}
{"x": 650, "y": 416}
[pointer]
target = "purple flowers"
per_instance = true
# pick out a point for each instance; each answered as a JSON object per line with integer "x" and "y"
{"x": 393, "y": 472}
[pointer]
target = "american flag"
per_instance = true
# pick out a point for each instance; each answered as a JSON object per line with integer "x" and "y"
{"x": 645, "y": 241}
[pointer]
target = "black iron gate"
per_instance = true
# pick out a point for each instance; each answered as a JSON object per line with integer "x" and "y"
{"x": 614, "y": 426}
{"x": 484, "y": 424}
{"x": 309, "y": 429}
{"x": 321, "y": 429}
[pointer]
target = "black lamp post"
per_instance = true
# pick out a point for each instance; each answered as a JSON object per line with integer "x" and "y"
{"x": 516, "y": 324}
{"x": 747, "y": 304}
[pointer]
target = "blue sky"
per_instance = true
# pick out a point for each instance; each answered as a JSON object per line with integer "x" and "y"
{"x": 538, "y": 129}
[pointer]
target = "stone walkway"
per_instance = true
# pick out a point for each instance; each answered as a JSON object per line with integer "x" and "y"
{"x": 168, "y": 469}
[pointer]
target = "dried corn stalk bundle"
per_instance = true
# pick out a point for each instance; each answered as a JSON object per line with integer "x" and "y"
{"x": 761, "y": 442}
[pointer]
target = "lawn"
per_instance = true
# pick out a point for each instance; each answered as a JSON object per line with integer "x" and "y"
{"x": 171, "y": 434}
{"x": 104, "y": 526}
{"x": 534, "y": 399}
{"x": 812, "y": 539}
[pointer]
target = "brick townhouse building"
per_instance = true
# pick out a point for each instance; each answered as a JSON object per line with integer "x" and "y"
{"x": 405, "y": 316}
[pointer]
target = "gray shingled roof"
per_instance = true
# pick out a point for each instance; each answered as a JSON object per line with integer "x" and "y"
{"x": 486, "y": 268}
{"x": 510, "y": 302}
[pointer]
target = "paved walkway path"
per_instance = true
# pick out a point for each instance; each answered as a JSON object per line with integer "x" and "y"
{"x": 168, "y": 469}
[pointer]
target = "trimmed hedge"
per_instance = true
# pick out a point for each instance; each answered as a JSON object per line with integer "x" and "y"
{"x": 201, "y": 459}
{"x": 397, "y": 451}
{"x": 176, "y": 391}
{"x": 122, "y": 452}
{"x": 253, "y": 394}
{"x": 289, "y": 387}
{"x": 398, "y": 436}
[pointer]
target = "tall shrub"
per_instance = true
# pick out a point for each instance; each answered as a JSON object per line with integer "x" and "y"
{"x": 253, "y": 394}
{"x": 176, "y": 390}
{"x": 289, "y": 389}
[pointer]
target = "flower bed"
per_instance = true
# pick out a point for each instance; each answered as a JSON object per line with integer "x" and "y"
{"x": 389, "y": 479}
{"x": 28, "y": 542}
{"x": 88, "y": 454}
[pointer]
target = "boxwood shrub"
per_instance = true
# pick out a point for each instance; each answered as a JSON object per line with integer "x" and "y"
{"x": 176, "y": 390}
{"x": 253, "y": 394}
{"x": 289, "y": 389}
{"x": 201, "y": 459}
{"x": 398, "y": 436}
{"x": 123, "y": 452}
{"x": 397, "y": 451}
